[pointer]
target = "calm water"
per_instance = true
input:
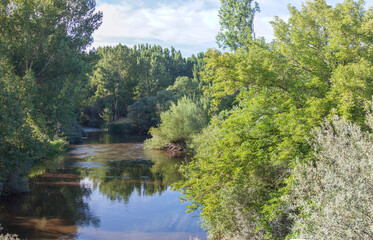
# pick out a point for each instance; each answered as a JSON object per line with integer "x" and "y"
{"x": 106, "y": 188}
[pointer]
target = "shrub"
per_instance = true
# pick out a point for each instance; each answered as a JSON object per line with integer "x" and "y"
{"x": 145, "y": 112}
{"x": 123, "y": 128}
{"x": 334, "y": 194}
{"x": 180, "y": 123}
{"x": 75, "y": 133}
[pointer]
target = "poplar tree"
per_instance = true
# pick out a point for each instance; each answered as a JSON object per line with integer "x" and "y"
{"x": 236, "y": 23}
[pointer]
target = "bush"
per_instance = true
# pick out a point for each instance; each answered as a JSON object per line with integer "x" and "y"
{"x": 334, "y": 194}
{"x": 180, "y": 123}
{"x": 123, "y": 128}
{"x": 145, "y": 113}
{"x": 75, "y": 133}
{"x": 185, "y": 86}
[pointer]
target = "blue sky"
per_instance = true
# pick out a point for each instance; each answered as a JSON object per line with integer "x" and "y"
{"x": 188, "y": 25}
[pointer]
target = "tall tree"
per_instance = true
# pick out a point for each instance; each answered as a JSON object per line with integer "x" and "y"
{"x": 114, "y": 78}
{"x": 45, "y": 41}
{"x": 236, "y": 23}
{"x": 123, "y": 75}
{"x": 321, "y": 59}
{"x": 42, "y": 71}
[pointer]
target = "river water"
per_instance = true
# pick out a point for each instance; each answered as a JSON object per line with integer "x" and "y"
{"x": 107, "y": 188}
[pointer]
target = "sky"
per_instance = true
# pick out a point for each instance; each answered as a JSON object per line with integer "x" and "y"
{"x": 188, "y": 25}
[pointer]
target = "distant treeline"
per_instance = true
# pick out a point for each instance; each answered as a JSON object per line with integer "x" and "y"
{"x": 135, "y": 83}
{"x": 279, "y": 132}
{"x": 50, "y": 85}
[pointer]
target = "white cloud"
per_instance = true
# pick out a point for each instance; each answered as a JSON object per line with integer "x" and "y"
{"x": 188, "y": 25}
{"x": 182, "y": 23}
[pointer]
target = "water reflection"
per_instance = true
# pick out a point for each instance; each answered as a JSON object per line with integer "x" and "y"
{"x": 108, "y": 186}
{"x": 56, "y": 205}
{"x": 119, "y": 170}
{"x": 118, "y": 180}
{"x": 164, "y": 166}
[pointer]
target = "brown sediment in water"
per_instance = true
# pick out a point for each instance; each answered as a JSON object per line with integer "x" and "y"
{"x": 53, "y": 228}
{"x": 107, "y": 152}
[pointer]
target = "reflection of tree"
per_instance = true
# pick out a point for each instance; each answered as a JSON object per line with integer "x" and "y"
{"x": 122, "y": 190}
{"x": 164, "y": 166}
{"x": 42, "y": 165}
{"x": 118, "y": 180}
{"x": 58, "y": 201}
{"x": 55, "y": 199}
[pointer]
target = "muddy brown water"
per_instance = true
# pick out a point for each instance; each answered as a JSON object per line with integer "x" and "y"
{"x": 107, "y": 188}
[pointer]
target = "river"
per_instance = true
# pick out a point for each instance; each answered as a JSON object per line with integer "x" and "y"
{"x": 107, "y": 188}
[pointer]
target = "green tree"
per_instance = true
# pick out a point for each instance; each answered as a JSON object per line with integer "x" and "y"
{"x": 114, "y": 79}
{"x": 236, "y": 23}
{"x": 125, "y": 75}
{"x": 185, "y": 86}
{"x": 320, "y": 60}
{"x": 145, "y": 113}
{"x": 331, "y": 46}
{"x": 42, "y": 72}
{"x": 44, "y": 40}
{"x": 157, "y": 69}
{"x": 17, "y": 146}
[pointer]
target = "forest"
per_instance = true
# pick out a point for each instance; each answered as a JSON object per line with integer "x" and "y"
{"x": 278, "y": 134}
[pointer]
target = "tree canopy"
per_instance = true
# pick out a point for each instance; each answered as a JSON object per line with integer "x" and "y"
{"x": 43, "y": 73}
{"x": 318, "y": 65}
{"x": 236, "y": 23}
{"x": 279, "y": 132}
{"x": 138, "y": 82}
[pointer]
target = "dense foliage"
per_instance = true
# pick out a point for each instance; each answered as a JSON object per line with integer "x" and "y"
{"x": 236, "y": 23}
{"x": 43, "y": 70}
{"x": 319, "y": 65}
{"x": 265, "y": 166}
{"x": 132, "y": 82}
{"x": 179, "y": 124}
{"x": 334, "y": 193}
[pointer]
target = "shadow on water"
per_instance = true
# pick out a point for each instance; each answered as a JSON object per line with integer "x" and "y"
{"x": 55, "y": 206}
{"x": 106, "y": 181}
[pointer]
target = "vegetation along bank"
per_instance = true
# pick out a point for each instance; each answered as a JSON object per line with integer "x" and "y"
{"x": 279, "y": 132}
